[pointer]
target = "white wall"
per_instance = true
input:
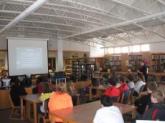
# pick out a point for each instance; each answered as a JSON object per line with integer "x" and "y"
{"x": 3, "y": 43}
{"x": 52, "y": 45}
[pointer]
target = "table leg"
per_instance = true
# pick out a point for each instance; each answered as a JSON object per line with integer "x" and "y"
{"x": 35, "y": 112}
{"x": 90, "y": 93}
{"x": 22, "y": 109}
{"x": 133, "y": 114}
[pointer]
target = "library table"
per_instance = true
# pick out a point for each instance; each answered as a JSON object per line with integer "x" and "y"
{"x": 85, "y": 113}
{"x": 30, "y": 99}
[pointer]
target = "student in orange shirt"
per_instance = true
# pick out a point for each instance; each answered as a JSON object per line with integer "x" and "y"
{"x": 59, "y": 100}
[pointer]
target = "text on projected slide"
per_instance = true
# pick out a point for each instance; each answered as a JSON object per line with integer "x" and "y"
{"x": 29, "y": 58}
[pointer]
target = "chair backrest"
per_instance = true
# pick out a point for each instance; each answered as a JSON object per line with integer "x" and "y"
{"x": 141, "y": 88}
{"x": 125, "y": 97}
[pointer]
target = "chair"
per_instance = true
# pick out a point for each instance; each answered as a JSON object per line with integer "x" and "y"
{"x": 44, "y": 116}
{"x": 125, "y": 97}
{"x": 15, "y": 110}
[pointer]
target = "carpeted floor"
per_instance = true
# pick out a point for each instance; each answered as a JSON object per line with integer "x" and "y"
{"x": 4, "y": 117}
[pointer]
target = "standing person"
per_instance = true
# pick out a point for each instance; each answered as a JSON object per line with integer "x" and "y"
{"x": 144, "y": 70}
{"x": 108, "y": 113}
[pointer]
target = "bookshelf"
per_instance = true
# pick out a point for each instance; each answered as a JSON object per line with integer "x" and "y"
{"x": 68, "y": 66}
{"x": 113, "y": 62}
{"x": 134, "y": 61}
{"x": 158, "y": 62}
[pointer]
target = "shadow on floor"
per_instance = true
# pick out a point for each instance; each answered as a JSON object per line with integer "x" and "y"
{"x": 4, "y": 117}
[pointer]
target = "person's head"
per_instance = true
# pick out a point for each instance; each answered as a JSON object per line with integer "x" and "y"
{"x": 152, "y": 86}
{"x": 129, "y": 70}
{"x": 38, "y": 80}
{"x": 131, "y": 78}
{"x": 140, "y": 77}
{"x": 142, "y": 63}
{"x": 122, "y": 79}
{"x": 114, "y": 81}
{"x": 157, "y": 96}
{"x": 106, "y": 101}
{"x": 60, "y": 88}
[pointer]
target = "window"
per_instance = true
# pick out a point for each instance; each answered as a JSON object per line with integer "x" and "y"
{"x": 110, "y": 50}
{"x": 145, "y": 47}
{"x": 124, "y": 49}
{"x": 136, "y": 48}
{"x": 130, "y": 48}
{"x": 117, "y": 50}
{"x": 96, "y": 52}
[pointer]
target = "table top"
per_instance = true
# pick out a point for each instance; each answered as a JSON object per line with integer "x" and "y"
{"x": 100, "y": 87}
{"x": 34, "y": 98}
{"x": 85, "y": 113}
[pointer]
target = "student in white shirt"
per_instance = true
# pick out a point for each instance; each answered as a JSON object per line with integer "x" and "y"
{"x": 139, "y": 83}
{"x": 108, "y": 113}
{"x": 131, "y": 83}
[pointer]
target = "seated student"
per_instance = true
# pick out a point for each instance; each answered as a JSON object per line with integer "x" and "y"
{"x": 144, "y": 102}
{"x": 59, "y": 100}
{"x": 157, "y": 111}
{"x": 131, "y": 83}
{"x": 108, "y": 113}
{"x": 73, "y": 93}
{"x": 124, "y": 86}
{"x": 114, "y": 90}
{"x": 16, "y": 91}
{"x": 139, "y": 84}
{"x": 124, "y": 89}
{"x": 39, "y": 85}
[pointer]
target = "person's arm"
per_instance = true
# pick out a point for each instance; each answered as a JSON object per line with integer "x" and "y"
{"x": 45, "y": 96}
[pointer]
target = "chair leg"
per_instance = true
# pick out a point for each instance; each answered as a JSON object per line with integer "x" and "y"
{"x": 11, "y": 113}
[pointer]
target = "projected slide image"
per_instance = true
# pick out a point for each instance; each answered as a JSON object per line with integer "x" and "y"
{"x": 29, "y": 58}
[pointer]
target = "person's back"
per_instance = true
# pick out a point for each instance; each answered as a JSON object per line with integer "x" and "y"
{"x": 112, "y": 91}
{"x": 108, "y": 113}
{"x": 138, "y": 85}
{"x": 59, "y": 100}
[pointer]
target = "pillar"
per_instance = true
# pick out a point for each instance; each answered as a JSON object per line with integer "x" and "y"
{"x": 59, "y": 58}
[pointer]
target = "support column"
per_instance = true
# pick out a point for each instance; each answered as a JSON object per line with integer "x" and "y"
{"x": 59, "y": 58}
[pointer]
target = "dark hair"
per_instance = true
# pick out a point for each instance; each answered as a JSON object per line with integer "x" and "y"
{"x": 131, "y": 78}
{"x": 140, "y": 76}
{"x": 152, "y": 86}
{"x": 106, "y": 101}
{"x": 122, "y": 79}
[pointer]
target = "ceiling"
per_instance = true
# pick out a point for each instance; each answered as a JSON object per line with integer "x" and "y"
{"x": 108, "y": 23}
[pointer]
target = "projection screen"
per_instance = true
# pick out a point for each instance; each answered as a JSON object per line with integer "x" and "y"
{"x": 27, "y": 56}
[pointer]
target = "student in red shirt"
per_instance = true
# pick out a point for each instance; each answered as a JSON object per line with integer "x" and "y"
{"x": 124, "y": 90}
{"x": 114, "y": 90}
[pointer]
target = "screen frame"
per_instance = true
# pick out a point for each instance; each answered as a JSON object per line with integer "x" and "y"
{"x": 8, "y": 56}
